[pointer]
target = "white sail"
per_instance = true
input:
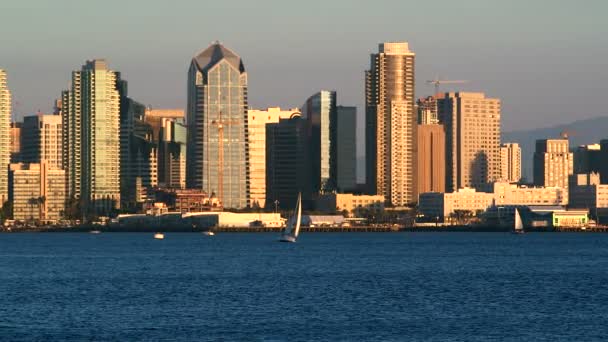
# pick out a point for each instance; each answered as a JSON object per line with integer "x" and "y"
{"x": 292, "y": 229}
{"x": 519, "y": 225}
{"x": 296, "y": 230}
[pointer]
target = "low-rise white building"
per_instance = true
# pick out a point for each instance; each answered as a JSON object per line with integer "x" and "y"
{"x": 353, "y": 204}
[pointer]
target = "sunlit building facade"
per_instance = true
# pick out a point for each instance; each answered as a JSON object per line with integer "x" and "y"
{"x": 41, "y": 140}
{"x": 91, "y": 137}
{"x": 391, "y": 122}
{"x": 5, "y": 139}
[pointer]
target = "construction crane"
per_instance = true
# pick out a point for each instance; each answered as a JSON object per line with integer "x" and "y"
{"x": 219, "y": 123}
{"x": 437, "y": 82}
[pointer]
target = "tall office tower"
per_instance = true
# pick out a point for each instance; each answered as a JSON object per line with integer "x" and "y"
{"x": 472, "y": 125}
{"x": 170, "y": 136}
{"x": 346, "y": 149}
{"x": 5, "y": 131}
{"x": 91, "y": 137}
{"x": 287, "y": 163}
{"x": 391, "y": 122}
{"x": 587, "y": 159}
{"x": 431, "y": 158}
{"x": 510, "y": 162}
{"x": 319, "y": 110}
{"x": 37, "y": 191}
{"x": 42, "y": 140}
{"x": 427, "y": 110}
{"x": 553, "y": 163}
{"x": 16, "y": 141}
{"x": 217, "y": 126}
{"x": 138, "y": 152}
{"x": 257, "y": 120}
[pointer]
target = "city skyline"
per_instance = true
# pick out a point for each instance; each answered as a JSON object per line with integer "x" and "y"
{"x": 556, "y": 45}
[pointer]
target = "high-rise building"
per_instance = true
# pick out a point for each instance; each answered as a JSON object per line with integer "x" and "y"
{"x": 587, "y": 159}
{"x": 472, "y": 125}
{"x": 346, "y": 149}
{"x": 257, "y": 120}
{"x": 217, "y": 160}
{"x": 287, "y": 163}
{"x": 391, "y": 122}
{"x": 431, "y": 158}
{"x": 138, "y": 153}
{"x": 319, "y": 110}
{"x": 42, "y": 140}
{"x": 16, "y": 141}
{"x": 553, "y": 163}
{"x": 510, "y": 162}
{"x": 170, "y": 134}
{"x": 427, "y": 110}
{"x": 91, "y": 137}
{"x": 37, "y": 192}
{"x": 5, "y": 130}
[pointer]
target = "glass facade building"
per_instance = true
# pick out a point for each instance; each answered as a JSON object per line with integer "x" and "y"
{"x": 321, "y": 114}
{"x": 217, "y": 126}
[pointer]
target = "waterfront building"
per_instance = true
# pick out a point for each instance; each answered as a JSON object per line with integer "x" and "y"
{"x": 320, "y": 112}
{"x": 391, "y": 122}
{"x": 91, "y": 137}
{"x": 257, "y": 121}
{"x": 441, "y": 205}
{"x": 16, "y": 128}
{"x": 553, "y": 163}
{"x": 346, "y": 149}
{"x": 431, "y": 158}
{"x": 186, "y": 200}
{"x": 472, "y": 125}
{"x": 217, "y": 126}
{"x": 37, "y": 192}
{"x": 437, "y": 205}
{"x": 353, "y": 205}
{"x": 506, "y": 193}
{"x": 586, "y": 191}
{"x": 427, "y": 110}
{"x": 42, "y": 140}
{"x": 5, "y": 131}
{"x": 287, "y": 163}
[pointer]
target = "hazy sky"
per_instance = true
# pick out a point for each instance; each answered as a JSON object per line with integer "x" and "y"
{"x": 546, "y": 60}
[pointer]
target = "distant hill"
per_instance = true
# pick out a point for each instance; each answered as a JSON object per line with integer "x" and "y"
{"x": 583, "y": 132}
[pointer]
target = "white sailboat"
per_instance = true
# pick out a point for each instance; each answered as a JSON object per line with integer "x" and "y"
{"x": 519, "y": 225}
{"x": 290, "y": 234}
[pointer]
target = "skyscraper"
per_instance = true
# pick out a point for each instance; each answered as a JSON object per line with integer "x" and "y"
{"x": 553, "y": 163}
{"x": 91, "y": 129}
{"x": 170, "y": 136}
{"x": 431, "y": 158}
{"x": 319, "y": 110}
{"x": 5, "y": 131}
{"x": 346, "y": 149}
{"x": 472, "y": 124}
{"x": 257, "y": 121}
{"x": 391, "y": 122}
{"x": 217, "y": 126}
{"x": 41, "y": 140}
{"x": 287, "y": 163}
{"x": 510, "y": 162}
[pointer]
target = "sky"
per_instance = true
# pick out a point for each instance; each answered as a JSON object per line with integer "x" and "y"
{"x": 547, "y": 60}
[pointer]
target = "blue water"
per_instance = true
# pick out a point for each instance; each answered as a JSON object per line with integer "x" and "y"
{"x": 359, "y": 286}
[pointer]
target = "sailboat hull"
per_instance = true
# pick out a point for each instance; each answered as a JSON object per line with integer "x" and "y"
{"x": 286, "y": 238}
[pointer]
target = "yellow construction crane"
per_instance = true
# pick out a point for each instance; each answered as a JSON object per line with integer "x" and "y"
{"x": 220, "y": 154}
{"x": 437, "y": 82}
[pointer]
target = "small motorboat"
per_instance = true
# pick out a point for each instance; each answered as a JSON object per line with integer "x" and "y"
{"x": 95, "y": 232}
{"x": 159, "y": 236}
{"x": 208, "y": 233}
